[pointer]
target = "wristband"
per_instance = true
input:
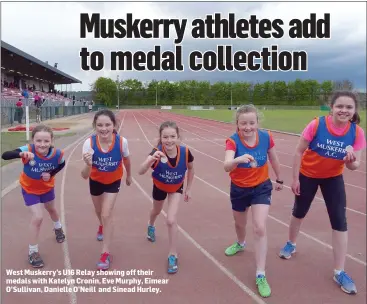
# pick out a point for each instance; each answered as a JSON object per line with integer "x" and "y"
{"x": 279, "y": 182}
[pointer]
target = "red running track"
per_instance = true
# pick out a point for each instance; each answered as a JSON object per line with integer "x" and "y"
{"x": 205, "y": 275}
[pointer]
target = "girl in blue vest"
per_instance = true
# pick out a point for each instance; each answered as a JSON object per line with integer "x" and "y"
{"x": 104, "y": 155}
{"x": 41, "y": 162}
{"x": 246, "y": 157}
{"x": 328, "y": 144}
{"x": 169, "y": 162}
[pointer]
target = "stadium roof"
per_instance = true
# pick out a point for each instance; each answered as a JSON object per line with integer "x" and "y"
{"x": 14, "y": 60}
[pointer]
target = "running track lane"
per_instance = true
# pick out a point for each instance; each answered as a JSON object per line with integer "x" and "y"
{"x": 357, "y": 221}
{"x": 199, "y": 279}
{"x": 320, "y": 254}
{"x": 207, "y": 226}
{"x": 356, "y": 246}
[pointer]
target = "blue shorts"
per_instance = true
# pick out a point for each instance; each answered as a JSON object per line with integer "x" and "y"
{"x": 33, "y": 199}
{"x": 242, "y": 198}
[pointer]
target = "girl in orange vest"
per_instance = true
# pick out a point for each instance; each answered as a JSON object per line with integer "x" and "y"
{"x": 169, "y": 161}
{"x": 246, "y": 157}
{"x": 104, "y": 155}
{"x": 327, "y": 144}
{"x": 41, "y": 163}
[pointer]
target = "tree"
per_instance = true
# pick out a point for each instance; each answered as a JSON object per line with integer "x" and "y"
{"x": 104, "y": 90}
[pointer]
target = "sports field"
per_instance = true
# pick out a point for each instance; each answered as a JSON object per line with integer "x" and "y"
{"x": 283, "y": 120}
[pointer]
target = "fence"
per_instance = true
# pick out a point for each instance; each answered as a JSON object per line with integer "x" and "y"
{"x": 11, "y": 115}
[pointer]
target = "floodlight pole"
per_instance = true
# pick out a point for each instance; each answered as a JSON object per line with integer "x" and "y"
{"x": 118, "y": 92}
{"x": 156, "y": 95}
{"x": 231, "y": 98}
{"x": 27, "y": 120}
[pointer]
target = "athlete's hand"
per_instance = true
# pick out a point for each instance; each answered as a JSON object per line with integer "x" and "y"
{"x": 350, "y": 157}
{"x": 87, "y": 157}
{"x": 128, "y": 180}
{"x": 296, "y": 187}
{"x": 157, "y": 155}
{"x": 187, "y": 195}
{"x": 46, "y": 176}
{"x": 244, "y": 159}
{"x": 26, "y": 155}
{"x": 278, "y": 186}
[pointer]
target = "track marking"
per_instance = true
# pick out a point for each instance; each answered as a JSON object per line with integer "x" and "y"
{"x": 197, "y": 245}
{"x": 272, "y": 217}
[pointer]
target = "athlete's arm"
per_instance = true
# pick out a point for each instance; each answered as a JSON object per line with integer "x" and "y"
{"x": 190, "y": 175}
{"x": 359, "y": 146}
{"x": 127, "y": 164}
{"x": 300, "y": 149}
{"x": 59, "y": 167}
{"x": 274, "y": 161}
{"x": 355, "y": 165}
{"x": 87, "y": 167}
{"x": 144, "y": 167}
{"x": 8, "y": 155}
{"x": 229, "y": 161}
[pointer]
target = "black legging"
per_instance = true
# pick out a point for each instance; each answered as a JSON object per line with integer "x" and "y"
{"x": 333, "y": 191}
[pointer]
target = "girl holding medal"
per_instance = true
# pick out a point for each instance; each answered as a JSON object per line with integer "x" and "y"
{"x": 104, "y": 155}
{"x": 169, "y": 161}
{"x": 38, "y": 184}
{"x": 315, "y": 166}
{"x": 246, "y": 156}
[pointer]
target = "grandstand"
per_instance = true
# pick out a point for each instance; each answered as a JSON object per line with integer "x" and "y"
{"x": 20, "y": 71}
{"x": 22, "y": 77}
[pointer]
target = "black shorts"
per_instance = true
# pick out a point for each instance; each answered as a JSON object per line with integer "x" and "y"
{"x": 160, "y": 195}
{"x": 242, "y": 198}
{"x": 333, "y": 191}
{"x": 97, "y": 188}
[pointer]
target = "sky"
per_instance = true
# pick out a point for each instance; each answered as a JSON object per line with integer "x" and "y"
{"x": 53, "y": 35}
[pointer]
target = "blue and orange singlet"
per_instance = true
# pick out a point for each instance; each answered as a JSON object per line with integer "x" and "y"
{"x": 244, "y": 175}
{"x": 169, "y": 178}
{"x": 107, "y": 166}
{"x": 324, "y": 156}
{"x": 31, "y": 179}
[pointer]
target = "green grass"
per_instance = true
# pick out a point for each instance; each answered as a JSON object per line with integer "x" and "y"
{"x": 13, "y": 140}
{"x": 282, "y": 120}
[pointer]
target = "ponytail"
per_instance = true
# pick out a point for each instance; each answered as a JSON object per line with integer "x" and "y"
{"x": 356, "y": 118}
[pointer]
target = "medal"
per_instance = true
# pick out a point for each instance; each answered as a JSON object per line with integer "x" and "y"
{"x": 32, "y": 162}
{"x": 253, "y": 164}
{"x": 164, "y": 160}
{"x": 349, "y": 149}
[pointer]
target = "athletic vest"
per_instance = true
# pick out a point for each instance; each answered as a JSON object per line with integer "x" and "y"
{"x": 107, "y": 166}
{"x": 244, "y": 175}
{"x": 31, "y": 179}
{"x": 169, "y": 178}
{"x": 324, "y": 156}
